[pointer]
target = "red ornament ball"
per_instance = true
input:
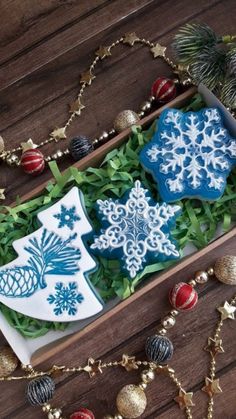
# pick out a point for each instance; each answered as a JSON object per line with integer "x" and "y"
{"x": 83, "y": 413}
{"x": 183, "y": 297}
{"x": 164, "y": 89}
{"x": 32, "y": 162}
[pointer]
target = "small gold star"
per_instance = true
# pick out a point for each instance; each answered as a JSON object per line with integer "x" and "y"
{"x": 129, "y": 362}
{"x": 164, "y": 369}
{"x": 28, "y": 145}
{"x": 158, "y": 50}
{"x": 227, "y": 311}
{"x": 2, "y": 194}
{"x": 93, "y": 367}
{"x": 130, "y": 38}
{"x": 184, "y": 399}
{"x": 76, "y": 107}
{"x": 212, "y": 387}
{"x": 214, "y": 346}
{"x": 103, "y": 52}
{"x": 87, "y": 77}
{"x": 59, "y": 133}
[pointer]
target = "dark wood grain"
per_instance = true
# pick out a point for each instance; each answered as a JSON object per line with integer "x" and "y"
{"x": 44, "y": 46}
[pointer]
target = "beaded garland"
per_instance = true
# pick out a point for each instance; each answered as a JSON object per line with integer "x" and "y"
{"x": 131, "y": 401}
{"x": 34, "y": 162}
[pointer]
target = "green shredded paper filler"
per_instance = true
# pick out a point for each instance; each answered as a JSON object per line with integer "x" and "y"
{"x": 196, "y": 225}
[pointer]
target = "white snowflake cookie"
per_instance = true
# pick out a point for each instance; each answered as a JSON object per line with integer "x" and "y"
{"x": 136, "y": 230}
{"x": 190, "y": 155}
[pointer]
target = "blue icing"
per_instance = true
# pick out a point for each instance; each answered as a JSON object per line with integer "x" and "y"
{"x": 66, "y": 298}
{"x": 136, "y": 230}
{"x": 190, "y": 155}
{"x": 67, "y": 217}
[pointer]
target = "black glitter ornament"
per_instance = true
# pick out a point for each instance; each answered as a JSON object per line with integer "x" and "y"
{"x": 40, "y": 390}
{"x": 80, "y": 147}
{"x": 159, "y": 349}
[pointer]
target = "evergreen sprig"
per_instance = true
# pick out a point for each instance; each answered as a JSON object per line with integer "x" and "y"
{"x": 211, "y": 59}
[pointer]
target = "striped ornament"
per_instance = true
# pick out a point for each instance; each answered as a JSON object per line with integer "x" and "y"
{"x": 183, "y": 297}
{"x": 164, "y": 89}
{"x": 83, "y": 414}
{"x": 40, "y": 390}
{"x": 32, "y": 162}
{"x": 159, "y": 349}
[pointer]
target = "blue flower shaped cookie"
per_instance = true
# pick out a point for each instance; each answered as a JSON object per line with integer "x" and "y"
{"x": 136, "y": 230}
{"x": 190, "y": 155}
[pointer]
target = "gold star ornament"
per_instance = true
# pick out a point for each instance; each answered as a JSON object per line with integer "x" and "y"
{"x": 58, "y": 133}
{"x": 103, "y": 52}
{"x": 129, "y": 362}
{"x": 130, "y": 38}
{"x": 227, "y": 311}
{"x": 212, "y": 387}
{"x": 214, "y": 346}
{"x": 87, "y": 77}
{"x": 158, "y": 50}
{"x": 76, "y": 107}
{"x": 28, "y": 145}
{"x": 2, "y": 194}
{"x": 184, "y": 399}
{"x": 93, "y": 367}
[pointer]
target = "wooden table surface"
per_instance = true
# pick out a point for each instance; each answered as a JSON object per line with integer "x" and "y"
{"x": 44, "y": 46}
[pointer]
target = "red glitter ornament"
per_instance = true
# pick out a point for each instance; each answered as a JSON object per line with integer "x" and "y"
{"x": 183, "y": 297}
{"x": 164, "y": 89}
{"x": 83, "y": 413}
{"x": 32, "y": 162}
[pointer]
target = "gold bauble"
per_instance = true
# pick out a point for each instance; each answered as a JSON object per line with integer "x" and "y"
{"x": 8, "y": 361}
{"x": 201, "y": 277}
{"x": 148, "y": 376}
{"x": 125, "y": 119}
{"x": 131, "y": 401}
{"x": 168, "y": 322}
{"x": 225, "y": 269}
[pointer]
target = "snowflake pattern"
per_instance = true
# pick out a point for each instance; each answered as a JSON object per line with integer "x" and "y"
{"x": 137, "y": 230}
{"x": 190, "y": 155}
{"x": 66, "y": 298}
{"x": 67, "y": 217}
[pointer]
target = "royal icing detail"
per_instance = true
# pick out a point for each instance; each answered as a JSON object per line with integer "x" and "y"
{"x": 136, "y": 230}
{"x": 49, "y": 279}
{"x": 190, "y": 155}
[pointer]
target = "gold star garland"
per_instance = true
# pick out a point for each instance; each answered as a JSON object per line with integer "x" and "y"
{"x": 184, "y": 399}
{"x": 77, "y": 106}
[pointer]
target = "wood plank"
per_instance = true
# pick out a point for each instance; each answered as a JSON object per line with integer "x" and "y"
{"x": 107, "y": 339}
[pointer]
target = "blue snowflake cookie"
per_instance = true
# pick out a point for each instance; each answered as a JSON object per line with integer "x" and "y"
{"x": 136, "y": 230}
{"x": 190, "y": 155}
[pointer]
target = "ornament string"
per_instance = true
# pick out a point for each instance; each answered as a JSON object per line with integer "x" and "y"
{"x": 131, "y": 400}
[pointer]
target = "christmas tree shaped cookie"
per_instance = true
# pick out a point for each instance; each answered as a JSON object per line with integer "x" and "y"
{"x": 49, "y": 279}
{"x": 136, "y": 230}
{"x": 190, "y": 155}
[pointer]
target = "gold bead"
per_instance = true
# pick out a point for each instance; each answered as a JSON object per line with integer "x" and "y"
{"x": 151, "y": 99}
{"x": 146, "y": 106}
{"x": 141, "y": 114}
{"x": 168, "y": 322}
{"x": 225, "y": 269}
{"x": 131, "y": 401}
{"x": 201, "y": 277}
{"x": 143, "y": 386}
{"x": 147, "y": 376}
{"x": 210, "y": 271}
{"x": 174, "y": 313}
{"x": 46, "y": 408}
{"x": 59, "y": 154}
{"x": 95, "y": 141}
{"x": 192, "y": 283}
{"x": 112, "y": 131}
{"x": 125, "y": 119}
{"x": 118, "y": 416}
{"x": 48, "y": 158}
{"x": 162, "y": 331}
{"x": 8, "y": 361}
{"x": 108, "y": 417}
{"x": 12, "y": 159}
{"x": 54, "y": 414}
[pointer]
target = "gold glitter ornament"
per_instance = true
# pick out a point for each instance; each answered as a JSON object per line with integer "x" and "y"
{"x": 131, "y": 401}
{"x": 8, "y": 361}
{"x": 125, "y": 119}
{"x": 225, "y": 269}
